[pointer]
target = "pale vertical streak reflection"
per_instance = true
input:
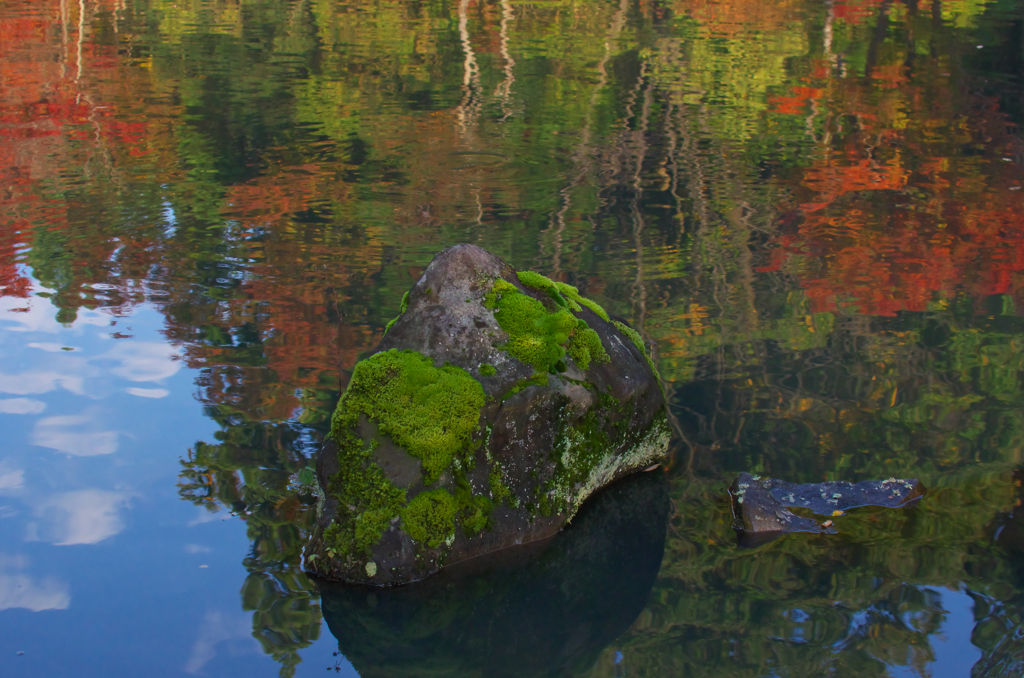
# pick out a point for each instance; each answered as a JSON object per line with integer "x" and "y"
{"x": 81, "y": 35}
{"x": 466, "y": 112}
{"x": 504, "y": 88}
{"x": 64, "y": 38}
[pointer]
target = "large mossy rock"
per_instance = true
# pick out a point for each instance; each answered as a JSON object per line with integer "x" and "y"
{"x": 495, "y": 404}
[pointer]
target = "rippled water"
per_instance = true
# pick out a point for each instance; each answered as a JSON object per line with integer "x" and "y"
{"x": 209, "y": 209}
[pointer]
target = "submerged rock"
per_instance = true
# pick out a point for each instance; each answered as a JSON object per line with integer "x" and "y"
{"x": 761, "y": 505}
{"x": 564, "y": 599}
{"x": 495, "y": 404}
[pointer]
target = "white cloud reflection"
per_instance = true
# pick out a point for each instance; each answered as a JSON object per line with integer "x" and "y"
{"x": 149, "y": 392}
{"x": 79, "y": 517}
{"x": 11, "y": 478}
{"x": 144, "y": 361}
{"x": 40, "y": 382}
{"x": 218, "y": 627}
{"x": 20, "y": 590}
{"x": 21, "y": 406}
{"x": 65, "y": 434}
{"x": 36, "y": 314}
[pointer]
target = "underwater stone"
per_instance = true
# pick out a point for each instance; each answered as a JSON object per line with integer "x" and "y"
{"x": 761, "y": 505}
{"x": 467, "y": 431}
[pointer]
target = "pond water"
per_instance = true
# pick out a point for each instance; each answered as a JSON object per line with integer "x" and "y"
{"x": 209, "y": 209}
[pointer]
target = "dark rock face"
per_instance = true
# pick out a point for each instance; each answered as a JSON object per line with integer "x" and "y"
{"x": 549, "y": 611}
{"x": 761, "y": 505}
{"x": 493, "y": 407}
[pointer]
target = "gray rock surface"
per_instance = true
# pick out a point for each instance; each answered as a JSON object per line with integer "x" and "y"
{"x": 488, "y": 413}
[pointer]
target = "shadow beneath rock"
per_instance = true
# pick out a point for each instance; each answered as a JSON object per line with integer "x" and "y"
{"x": 540, "y": 610}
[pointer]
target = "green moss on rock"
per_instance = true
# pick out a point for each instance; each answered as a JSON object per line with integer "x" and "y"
{"x": 570, "y": 295}
{"x": 585, "y": 345}
{"x": 430, "y": 517}
{"x": 431, "y": 412}
{"x": 499, "y": 490}
{"x": 539, "y": 333}
{"x": 487, "y": 370}
{"x": 474, "y": 510}
{"x": 536, "y": 379}
{"x": 401, "y": 312}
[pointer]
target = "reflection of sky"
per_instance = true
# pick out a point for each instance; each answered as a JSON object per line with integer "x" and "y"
{"x": 102, "y": 567}
{"x": 954, "y": 653}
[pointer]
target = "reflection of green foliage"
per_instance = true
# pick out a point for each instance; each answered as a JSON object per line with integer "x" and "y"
{"x": 278, "y": 517}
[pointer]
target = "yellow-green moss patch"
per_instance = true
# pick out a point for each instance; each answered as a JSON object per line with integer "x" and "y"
{"x": 487, "y": 370}
{"x": 401, "y": 312}
{"x": 431, "y": 412}
{"x": 541, "y": 332}
{"x": 430, "y": 517}
{"x": 570, "y": 295}
{"x": 585, "y": 345}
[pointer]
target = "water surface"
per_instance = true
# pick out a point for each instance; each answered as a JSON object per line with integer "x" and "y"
{"x": 209, "y": 209}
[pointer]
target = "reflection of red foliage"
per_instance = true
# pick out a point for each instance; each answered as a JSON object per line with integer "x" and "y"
{"x": 885, "y": 253}
{"x": 797, "y": 104}
{"x": 12, "y": 283}
{"x": 855, "y": 11}
{"x": 894, "y": 217}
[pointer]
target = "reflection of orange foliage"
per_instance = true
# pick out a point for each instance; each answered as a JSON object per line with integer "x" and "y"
{"x": 12, "y": 283}
{"x": 831, "y": 181}
{"x": 268, "y": 199}
{"x": 891, "y": 76}
{"x": 900, "y": 259}
{"x": 736, "y": 17}
{"x": 797, "y": 104}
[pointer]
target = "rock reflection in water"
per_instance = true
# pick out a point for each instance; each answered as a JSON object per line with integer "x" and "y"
{"x": 535, "y": 611}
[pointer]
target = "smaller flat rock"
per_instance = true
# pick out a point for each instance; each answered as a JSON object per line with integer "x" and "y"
{"x": 829, "y": 497}
{"x": 761, "y": 505}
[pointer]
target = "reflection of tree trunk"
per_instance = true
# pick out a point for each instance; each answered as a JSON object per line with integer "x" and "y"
{"x": 81, "y": 34}
{"x": 466, "y": 111}
{"x": 504, "y": 89}
{"x": 877, "y": 37}
{"x": 64, "y": 38}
